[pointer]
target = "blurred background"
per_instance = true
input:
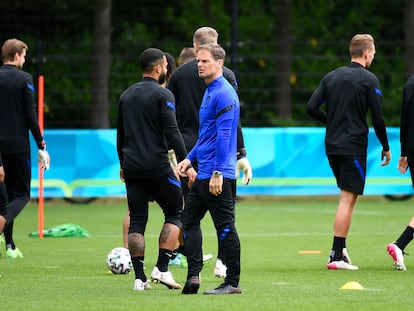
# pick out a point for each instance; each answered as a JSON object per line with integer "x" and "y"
{"x": 280, "y": 49}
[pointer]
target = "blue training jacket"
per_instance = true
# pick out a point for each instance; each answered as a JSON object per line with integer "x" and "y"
{"x": 216, "y": 147}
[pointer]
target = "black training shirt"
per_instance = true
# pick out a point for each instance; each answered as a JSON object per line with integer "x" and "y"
{"x": 349, "y": 92}
{"x": 146, "y": 125}
{"x": 407, "y": 121}
{"x": 17, "y": 111}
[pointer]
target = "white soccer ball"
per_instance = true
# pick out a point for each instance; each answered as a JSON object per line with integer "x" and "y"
{"x": 119, "y": 261}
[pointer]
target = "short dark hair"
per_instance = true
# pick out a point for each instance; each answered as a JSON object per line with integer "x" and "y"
{"x": 149, "y": 58}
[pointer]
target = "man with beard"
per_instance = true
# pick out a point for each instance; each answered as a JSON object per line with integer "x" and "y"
{"x": 146, "y": 126}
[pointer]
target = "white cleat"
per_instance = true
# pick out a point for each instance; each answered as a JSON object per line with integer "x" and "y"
{"x": 165, "y": 278}
{"x": 139, "y": 285}
{"x": 397, "y": 255}
{"x": 220, "y": 270}
{"x": 340, "y": 265}
{"x": 207, "y": 258}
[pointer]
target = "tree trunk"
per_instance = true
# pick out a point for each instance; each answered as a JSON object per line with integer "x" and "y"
{"x": 283, "y": 100}
{"x": 99, "y": 112}
{"x": 409, "y": 38}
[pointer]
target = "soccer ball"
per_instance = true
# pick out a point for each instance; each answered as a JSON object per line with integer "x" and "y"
{"x": 119, "y": 261}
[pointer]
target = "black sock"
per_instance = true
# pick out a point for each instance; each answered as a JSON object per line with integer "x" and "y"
{"x": 138, "y": 264}
{"x": 337, "y": 248}
{"x": 164, "y": 256}
{"x": 405, "y": 238}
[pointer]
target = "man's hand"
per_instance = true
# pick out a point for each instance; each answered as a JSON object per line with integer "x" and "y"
{"x": 402, "y": 165}
{"x": 44, "y": 159}
{"x": 387, "y": 156}
{"x": 1, "y": 173}
{"x": 244, "y": 165}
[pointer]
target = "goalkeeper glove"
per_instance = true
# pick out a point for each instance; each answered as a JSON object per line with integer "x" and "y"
{"x": 44, "y": 159}
{"x": 244, "y": 165}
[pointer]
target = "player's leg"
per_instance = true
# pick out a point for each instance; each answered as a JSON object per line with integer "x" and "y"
{"x": 166, "y": 191}
{"x": 17, "y": 179}
{"x": 222, "y": 210}
{"x": 396, "y": 248}
{"x": 350, "y": 175}
{"x": 137, "y": 198}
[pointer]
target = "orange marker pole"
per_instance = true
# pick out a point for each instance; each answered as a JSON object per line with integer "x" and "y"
{"x": 40, "y": 113}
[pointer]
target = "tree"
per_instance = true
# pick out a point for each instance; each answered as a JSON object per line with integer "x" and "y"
{"x": 99, "y": 109}
{"x": 409, "y": 39}
{"x": 283, "y": 100}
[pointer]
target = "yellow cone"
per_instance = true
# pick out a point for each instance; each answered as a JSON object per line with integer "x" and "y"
{"x": 352, "y": 285}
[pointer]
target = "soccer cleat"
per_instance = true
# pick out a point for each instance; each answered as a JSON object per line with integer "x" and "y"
{"x": 14, "y": 253}
{"x": 191, "y": 285}
{"x": 345, "y": 256}
{"x": 176, "y": 261}
{"x": 220, "y": 270}
{"x": 340, "y": 265}
{"x": 139, "y": 285}
{"x": 224, "y": 289}
{"x": 397, "y": 255}
{"x": 207, "y": 258}
{"x": 165, "y": 278}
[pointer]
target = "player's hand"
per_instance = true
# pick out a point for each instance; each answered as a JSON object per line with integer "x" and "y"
{"x": 121, "y": 175}
{"x": 402, "y": 165}
{"x": 192, "y": 176}
{"x": 183, "y": 167}
{"x": 244, "y": 165}
{"x": 387, "y": 156}
{"x": 1, "y": 173}
{"x": 44, "y": 159}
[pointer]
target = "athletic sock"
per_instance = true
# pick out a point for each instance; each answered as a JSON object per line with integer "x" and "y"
{"x": 164, "y": 256}
{"x": 337, "y": 248}
{"x": 138, "y": 264}
{"x": 405, "y": 238}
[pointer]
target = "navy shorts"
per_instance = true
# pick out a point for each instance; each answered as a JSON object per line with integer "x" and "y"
{"x": 349, "y": 171}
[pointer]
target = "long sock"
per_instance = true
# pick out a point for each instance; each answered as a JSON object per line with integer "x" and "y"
{"x": 138, "y": 264}
{"x": 405, "y": 238}
{"x": 164, "y": 256}
{"x": 337, "y": 246}
{"x": 8, "y": 235}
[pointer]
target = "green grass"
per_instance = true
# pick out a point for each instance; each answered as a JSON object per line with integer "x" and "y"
{"x": 70, "y": 273}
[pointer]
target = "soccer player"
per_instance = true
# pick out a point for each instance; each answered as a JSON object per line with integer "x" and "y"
{"x": 146, "y": 125}
{"x": 349, "y": 92}
{"x": 188, "y": 89}
{"x": 17, "y": 117}
{"x": 215, "y": 187}
{"x": 405, "y": 162}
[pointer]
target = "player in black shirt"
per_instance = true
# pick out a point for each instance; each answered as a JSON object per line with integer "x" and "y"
{"x": 405, "y": 162}
{"x": 17, "y": 117}
{"x": 146, "y": 127}
{"x": 349, "y": 92}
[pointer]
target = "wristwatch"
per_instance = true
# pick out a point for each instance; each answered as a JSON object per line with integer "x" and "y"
{"x": 217, "y": 173}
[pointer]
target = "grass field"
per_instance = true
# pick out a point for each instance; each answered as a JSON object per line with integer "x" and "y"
{"x": 71, "y": 274}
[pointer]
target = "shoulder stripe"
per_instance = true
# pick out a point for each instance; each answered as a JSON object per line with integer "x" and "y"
{"x": 30, "y": 86}
{"x": 171, "y": 105}
{"x": 228, "y": 108}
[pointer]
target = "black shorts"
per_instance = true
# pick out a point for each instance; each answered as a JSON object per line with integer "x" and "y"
{"x": 349, "y": 171}
{"x": 165, "y": 190}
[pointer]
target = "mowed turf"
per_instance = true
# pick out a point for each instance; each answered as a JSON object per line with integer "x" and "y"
{"x": 285, "y": 246}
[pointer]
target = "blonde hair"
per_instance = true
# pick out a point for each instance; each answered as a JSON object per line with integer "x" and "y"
{"x": 359, "y": 44}
{"x": 205, "y": 35}
{"x": 187, "y": 54}
{"x": 11, "y": 47}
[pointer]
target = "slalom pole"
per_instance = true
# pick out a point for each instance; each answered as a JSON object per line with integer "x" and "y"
{"x": 40, "y": 114}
